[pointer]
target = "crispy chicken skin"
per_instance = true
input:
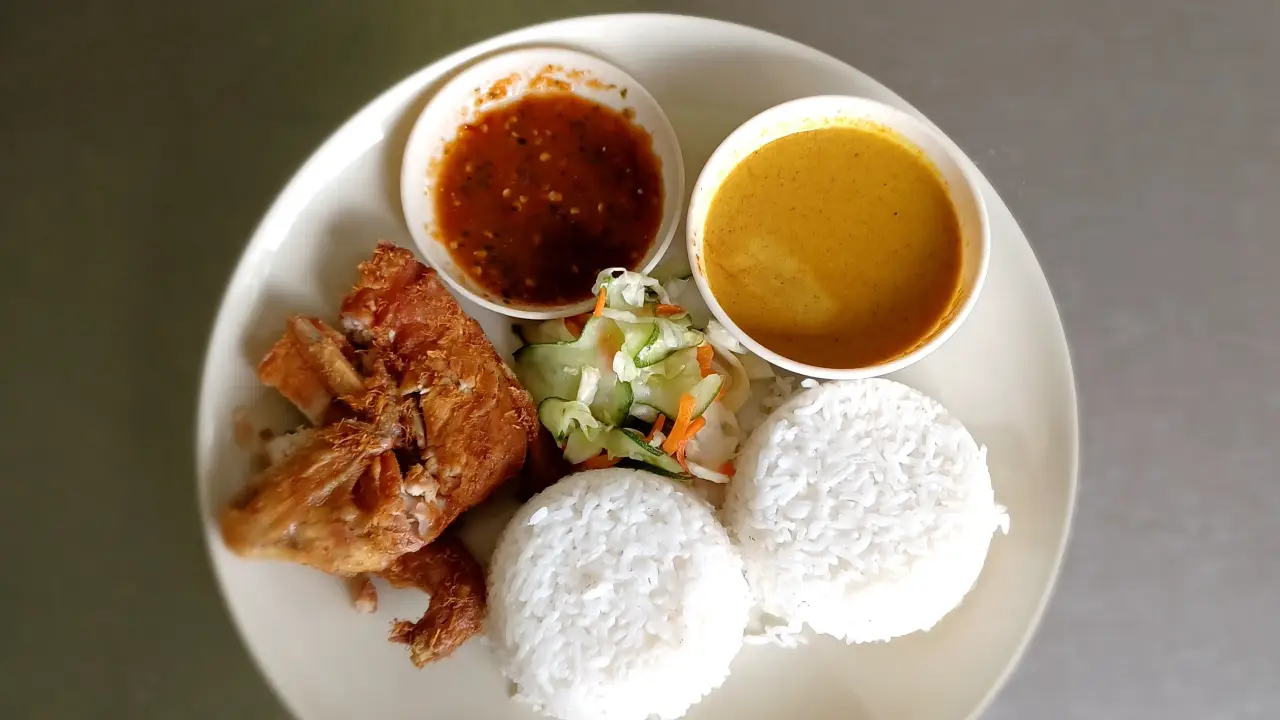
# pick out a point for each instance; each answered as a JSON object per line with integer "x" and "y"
{"x": 479, "y": 423}
{"x": 447, "y": 572}
{"x": 544, "y": 466}
{"x": 333, "y": 504}
{"x": 415, "y": 419}
{"x": 296, "y": 370}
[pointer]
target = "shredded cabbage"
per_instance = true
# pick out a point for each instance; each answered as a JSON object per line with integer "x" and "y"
{"x": 624, "y": 366}
{"x": 684, "y": 292}
{"x": 588, "y": 384}
{"x": 737, "y": 388}
{"x": 706, "y": 473}
{"x": 757, "y": 367}
{"x": 627, "y": 316}
{"x": 627, "y": 289}
{"x": 722, "y": 338}
{"x": 647, "y": 413}
{"x": 579, "y": 412}
{"x": 717, "y": 442}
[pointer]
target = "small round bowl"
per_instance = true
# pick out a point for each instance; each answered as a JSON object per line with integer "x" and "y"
{"x": 503, "y": 79}
{"x": 814, "y": 113}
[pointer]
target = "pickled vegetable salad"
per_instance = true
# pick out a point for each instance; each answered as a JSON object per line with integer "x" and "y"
{"x": 634, "y": 380}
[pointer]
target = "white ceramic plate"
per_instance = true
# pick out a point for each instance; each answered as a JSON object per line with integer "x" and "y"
{"x": 1006, "y": 373}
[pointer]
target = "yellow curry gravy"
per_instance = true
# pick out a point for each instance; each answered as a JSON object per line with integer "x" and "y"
{"x": 837, "y": 247}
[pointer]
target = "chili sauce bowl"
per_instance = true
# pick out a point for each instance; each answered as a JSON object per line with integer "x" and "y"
{"x": 507, "y": 78}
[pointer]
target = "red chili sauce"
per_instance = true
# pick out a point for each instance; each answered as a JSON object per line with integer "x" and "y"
{"x": 535, "y": 197}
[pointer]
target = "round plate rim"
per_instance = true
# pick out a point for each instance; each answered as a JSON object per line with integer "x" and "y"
{"x": 291, "y": 198}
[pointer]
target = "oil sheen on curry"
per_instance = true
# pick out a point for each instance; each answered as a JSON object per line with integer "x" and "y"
{"x": 535, "y": 197}
{"x": 837, "y": 247}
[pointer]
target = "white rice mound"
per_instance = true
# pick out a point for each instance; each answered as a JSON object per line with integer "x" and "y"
{"x": 616, "y": 594}
{"x": 863, "y": 509}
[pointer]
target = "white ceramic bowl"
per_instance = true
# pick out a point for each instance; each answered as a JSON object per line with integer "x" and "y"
{"x": 502, "y": 79}
{"x": 822, "y": 111}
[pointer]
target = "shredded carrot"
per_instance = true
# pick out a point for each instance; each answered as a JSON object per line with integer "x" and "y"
{"x": 694, "y": 427}
{"x": 665, "y": 310}
{"x": 657, "y": 428}
{"x": 601, "y": 461}
{"x": 706, "y": 354}
{"x": 727, "y": 468}
{"x": 681, "y": 427}
{"x": 575, "y": 323}
{"x": 604, "y": 293}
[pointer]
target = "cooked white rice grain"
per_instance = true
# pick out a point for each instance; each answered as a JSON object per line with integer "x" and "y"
{"x": 863, "y": 509}
{"x": 616, "y": 594}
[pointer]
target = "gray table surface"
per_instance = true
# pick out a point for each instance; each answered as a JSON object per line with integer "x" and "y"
{"x": 1138, "y": 143}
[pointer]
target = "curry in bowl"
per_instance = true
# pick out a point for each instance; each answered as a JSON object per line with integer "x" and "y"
{"x": 838, "y": 247}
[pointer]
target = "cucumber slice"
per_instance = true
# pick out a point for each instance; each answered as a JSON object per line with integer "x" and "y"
{"x": 619, "y": 443}
{"x": 563, "y": 417}
{"x": 630, "y": 444}
{"x": 547, "y": 331}
{"x": 638, "y": 336}
{"x": 554, "y": 370}
{"x": 647, "y": 413}
{"x": 613, "y": 399}
{"x": 581, "y": 446}
{"x": 666, "y": 336}
{"x": 679, "y": 375}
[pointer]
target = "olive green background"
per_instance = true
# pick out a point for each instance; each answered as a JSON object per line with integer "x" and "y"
{"x": 1137, "y": 142}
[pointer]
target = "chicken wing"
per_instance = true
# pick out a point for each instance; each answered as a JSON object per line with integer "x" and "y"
{"x": 310, "y": 366}
{"x": 335, "y": 503}
{"x": 447, "y": 572}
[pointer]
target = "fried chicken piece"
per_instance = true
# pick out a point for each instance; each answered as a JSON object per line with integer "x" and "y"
{"x": 478, "y": 422}
{"x": 334, "y": 504}
{"x": 544, "y": 466}
{"x": 310, "y": 366}
{"x": 364, "y": 596}
{"x": 447, "y": 572}
{"x": 419, "y": 419}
